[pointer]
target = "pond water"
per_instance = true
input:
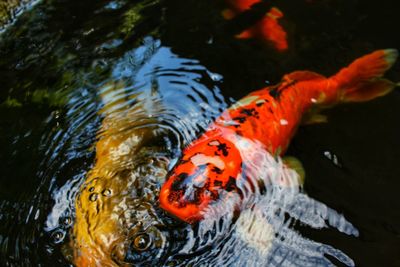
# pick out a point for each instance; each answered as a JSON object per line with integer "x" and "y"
{"x": 76, "y": 72}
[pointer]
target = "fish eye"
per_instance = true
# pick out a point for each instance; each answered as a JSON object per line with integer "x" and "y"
{"x": 141, "y": 242}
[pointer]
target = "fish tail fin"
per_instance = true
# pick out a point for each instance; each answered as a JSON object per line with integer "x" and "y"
{"x": 362, "y": 80}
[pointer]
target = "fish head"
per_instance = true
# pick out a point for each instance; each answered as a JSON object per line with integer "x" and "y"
{"x": 209, "y": 166}
{"x": 118, "y": 221}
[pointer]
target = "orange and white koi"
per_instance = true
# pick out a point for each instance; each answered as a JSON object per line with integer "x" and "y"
{"x": 214, "y": 162}
{"x": 267, "y": 28}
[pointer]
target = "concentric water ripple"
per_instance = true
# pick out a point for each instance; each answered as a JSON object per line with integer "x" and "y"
{"x": 150, "y": 89}
{"x": 264, "y": 231}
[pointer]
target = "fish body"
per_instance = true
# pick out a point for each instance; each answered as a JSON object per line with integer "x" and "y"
{"x": 113, "y": 208}
{"x": 214, "y": 162}
{"x": 267, "y": 28}
{"x": 117, "y": 222}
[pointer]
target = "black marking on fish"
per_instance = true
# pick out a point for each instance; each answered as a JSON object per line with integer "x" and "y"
{"x": 217, "y": 183}
{"x": 177, "y": 184}
{"x": 214, "y": 194}
{"x": 248, "y": 111}
{"x": 231, "y": 184}
{"x": 175, "y": 196}
{"x": 275, "y": 93}
{"x": 179, "y": 187}
{"x": 240, "y": 119}
{"x": 196, "y": 197}
{"x": 217, "y": 170}
{"x": 223, "y": 148}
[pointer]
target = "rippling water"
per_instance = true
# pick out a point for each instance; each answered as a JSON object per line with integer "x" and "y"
{"x": 74, "y": 74}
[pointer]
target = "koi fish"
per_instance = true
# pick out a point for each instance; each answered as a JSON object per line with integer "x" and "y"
{"x": 214, "y": 163}
{"x": 267, "y": 28}
{"x": 116, "y": 218}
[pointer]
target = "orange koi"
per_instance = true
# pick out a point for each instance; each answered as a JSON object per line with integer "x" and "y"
{"x": 267, "y": 29}
{"x": 214, "y": 162}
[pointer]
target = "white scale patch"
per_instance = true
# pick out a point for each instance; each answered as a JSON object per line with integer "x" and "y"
{"x": 244, "y": 102}
{"x": 124, "y": 148}
{"x": 201, "y": 159}
{"x": 214, "y": 143}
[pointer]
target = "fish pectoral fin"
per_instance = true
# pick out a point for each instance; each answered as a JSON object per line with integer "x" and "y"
{"x": 295, "y": 164}
{"x": 302, "y": 75}
{"x": 228, "y": 14}
{"x": 314, "y": 118}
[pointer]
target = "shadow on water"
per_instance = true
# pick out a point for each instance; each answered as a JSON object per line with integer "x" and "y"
{"x": 67, "y": 65}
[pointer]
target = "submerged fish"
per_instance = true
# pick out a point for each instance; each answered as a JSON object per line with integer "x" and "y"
{"x": 213, "y": 165}
{"x": 267, "y": 28}
{"x": 117, "y": 220}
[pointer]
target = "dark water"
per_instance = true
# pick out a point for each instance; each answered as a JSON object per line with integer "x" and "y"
{"x": 56, "y": 60}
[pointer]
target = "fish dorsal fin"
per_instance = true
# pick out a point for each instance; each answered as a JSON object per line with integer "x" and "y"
{"x": 302, "y": 75}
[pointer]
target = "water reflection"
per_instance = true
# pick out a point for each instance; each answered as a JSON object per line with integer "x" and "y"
{"x": 153, "y": 104}
{"x": 264, "y": 231}
{"x": 171, "y": 99}
{"x": 155, "y": 91}
{"x": 10, "y": 10}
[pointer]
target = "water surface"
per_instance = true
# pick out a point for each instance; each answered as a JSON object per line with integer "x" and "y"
{"x": 62, "y": 62}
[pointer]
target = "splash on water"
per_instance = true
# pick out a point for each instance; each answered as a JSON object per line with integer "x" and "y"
{"x": 144, "y": 90}
{"x": 271, "y": 204}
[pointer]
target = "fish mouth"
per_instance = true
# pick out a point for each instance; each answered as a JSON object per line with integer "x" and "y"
{"x": 145, "y": 240}
{"x": 142, "y": 238}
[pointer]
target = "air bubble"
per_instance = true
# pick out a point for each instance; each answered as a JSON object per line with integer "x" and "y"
{"x": 106, "y": 192}
{"x": 58, "y": 236}
{"x": 67, "y": 221}
{"x": 93, "y": 197}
